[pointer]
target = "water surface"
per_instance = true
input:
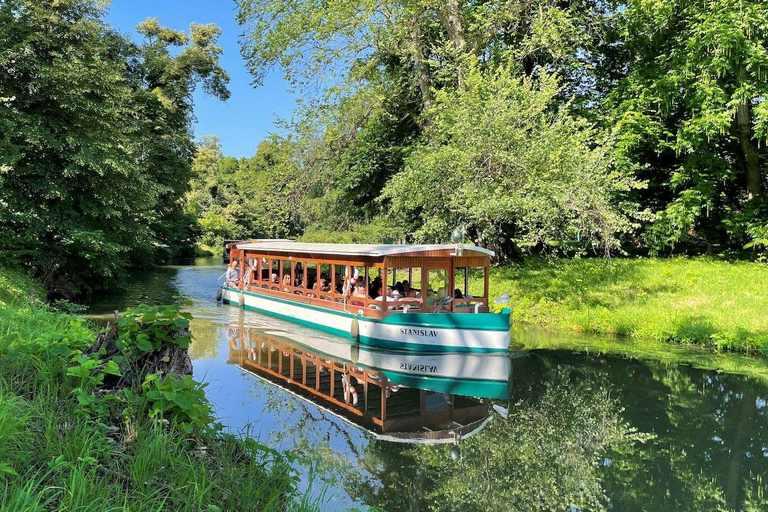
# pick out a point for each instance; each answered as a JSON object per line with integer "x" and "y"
{"x": 592, "y": 423}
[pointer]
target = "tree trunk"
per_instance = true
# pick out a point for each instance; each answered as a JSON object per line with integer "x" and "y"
{"x": 744, "y": 128}
{"x": 739, "y": 444}
{"x": 420, "y": 65}
{"x": 450, "y": 18}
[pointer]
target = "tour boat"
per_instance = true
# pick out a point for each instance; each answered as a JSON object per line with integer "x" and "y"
{"x": 441, "y": 303}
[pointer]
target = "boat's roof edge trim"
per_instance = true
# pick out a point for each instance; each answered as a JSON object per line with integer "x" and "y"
{"x": 377, "y": 250}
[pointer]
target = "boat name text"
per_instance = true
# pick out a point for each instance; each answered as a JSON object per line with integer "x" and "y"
{"x": 418, "y": 332}
{"x": 422, "y": 368}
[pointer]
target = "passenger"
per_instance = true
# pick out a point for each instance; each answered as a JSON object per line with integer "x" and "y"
{"x": 233, "y": 275}
{"x": 406, "y": 287}
{"x": 274, "y": 278}
{"x": 299, "y": 279}
{"x": 399, "y": 288}
{"x": 324, "y": 286}
{"x": 375, "y": 288}
{"x": 358, "y": 295}
{"x": 286, "y": 282}
{"x": 313, "y": 293}
{"x": 458, "y": 295}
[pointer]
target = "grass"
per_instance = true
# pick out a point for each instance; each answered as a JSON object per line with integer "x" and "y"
{"x": 702, "y": 301}
{"x": 56, "y": 455}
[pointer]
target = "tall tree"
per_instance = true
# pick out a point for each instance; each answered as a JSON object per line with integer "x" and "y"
{"x": 691, "y": 114}
{"x": 94, "y": 140}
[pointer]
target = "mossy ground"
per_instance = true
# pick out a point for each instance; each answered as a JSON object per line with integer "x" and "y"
{"x": 704, "y": 301}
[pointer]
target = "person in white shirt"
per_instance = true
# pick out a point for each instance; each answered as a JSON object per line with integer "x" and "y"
{"x": 233, "y": 275}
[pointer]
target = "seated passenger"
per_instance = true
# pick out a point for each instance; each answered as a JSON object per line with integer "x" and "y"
{"x": 406, "y": 288}
{"x": 324, "y": 285}
{"x": 358, "y": 295}
{"x": 286, "y": 282}
{"x": 313, "y": 293}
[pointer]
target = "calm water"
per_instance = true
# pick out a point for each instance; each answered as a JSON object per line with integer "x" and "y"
{"x": 593, "y": 424}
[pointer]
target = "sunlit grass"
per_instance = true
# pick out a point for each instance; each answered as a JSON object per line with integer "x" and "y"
{"x": 704, "y": 301}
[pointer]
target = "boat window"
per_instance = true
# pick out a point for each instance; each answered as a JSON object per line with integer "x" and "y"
{"x": 264, "y": 269}
{"x": 338, "y": 278}
{"x": 274, "y": 275}
{"x": 312, "y": 280}
{"x": 437, "y": 292}
{"x": 476, "y": 281}
{"x": 376, "y": 281}
{"x": 461, "y": 281}
{"x": 297, "y": 274}
{"x": 286, "y": 277}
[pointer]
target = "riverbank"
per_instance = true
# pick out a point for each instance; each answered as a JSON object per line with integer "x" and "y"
{"x": 68, "y": 443}
{"x": 717, "y": 304}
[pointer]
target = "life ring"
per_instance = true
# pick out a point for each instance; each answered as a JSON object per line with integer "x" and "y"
{"x": 350, "y": 393}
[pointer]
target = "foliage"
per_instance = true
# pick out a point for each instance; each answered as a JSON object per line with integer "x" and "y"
{"x": 389, "y": 65}
{"x": 479, "y": 168}
{"x": 179, "y": 399}
{"x": 105, "y": 453}
{"x": 690, "y": 114}
{"x": 673, "y": 90}
{"x": 94, "y": 138}
{"x": 146, "y": 328}
{"x": 255, "y": 197}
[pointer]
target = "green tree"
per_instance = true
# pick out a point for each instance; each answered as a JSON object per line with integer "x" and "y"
{"x": 94, "y": 140}
{"x": 481, "y": 167}
{"x": 381, "y": 66}
{"x": 690, "y": 114}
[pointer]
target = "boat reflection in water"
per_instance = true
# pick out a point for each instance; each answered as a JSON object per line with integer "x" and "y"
{"x": 398, "y": 396}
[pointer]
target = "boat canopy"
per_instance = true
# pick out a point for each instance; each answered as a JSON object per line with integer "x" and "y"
{"x": 373, "y": 250}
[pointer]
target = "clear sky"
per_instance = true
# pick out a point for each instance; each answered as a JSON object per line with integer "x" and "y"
{"x": 249, "y": 115}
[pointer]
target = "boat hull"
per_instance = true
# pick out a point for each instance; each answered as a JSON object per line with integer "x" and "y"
{"x": 430, "y": 332}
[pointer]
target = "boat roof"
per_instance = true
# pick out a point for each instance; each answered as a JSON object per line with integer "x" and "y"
{"x": 376, "y": 250}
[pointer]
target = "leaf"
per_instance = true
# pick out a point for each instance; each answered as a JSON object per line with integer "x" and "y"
{"x": 143, "y": 343}
{"x": 112, "y": 368}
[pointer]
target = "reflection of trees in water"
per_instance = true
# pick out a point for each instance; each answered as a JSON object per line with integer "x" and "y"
{"x": 205, "y": 338}
{"x": 545, "y": 456}
{"x": 711, "y": 446}
{"x": 571, "y": 439}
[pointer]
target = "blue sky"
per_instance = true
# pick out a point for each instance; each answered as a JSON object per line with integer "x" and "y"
{"x": 249, "y": 115}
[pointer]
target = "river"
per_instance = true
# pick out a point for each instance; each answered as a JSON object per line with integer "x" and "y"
{"x": 589, "y": 424}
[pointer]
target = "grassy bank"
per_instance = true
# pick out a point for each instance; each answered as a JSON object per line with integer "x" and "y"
{"x": 67, "y": 444}
{"x": 703, "y": 301}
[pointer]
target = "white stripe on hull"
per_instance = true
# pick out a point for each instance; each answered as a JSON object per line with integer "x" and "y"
{"x": 427, "y": 338}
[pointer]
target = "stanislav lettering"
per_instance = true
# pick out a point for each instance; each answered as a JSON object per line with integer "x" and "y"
{"x": 418, "y": 332}
{"x": 421, "y": 368}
